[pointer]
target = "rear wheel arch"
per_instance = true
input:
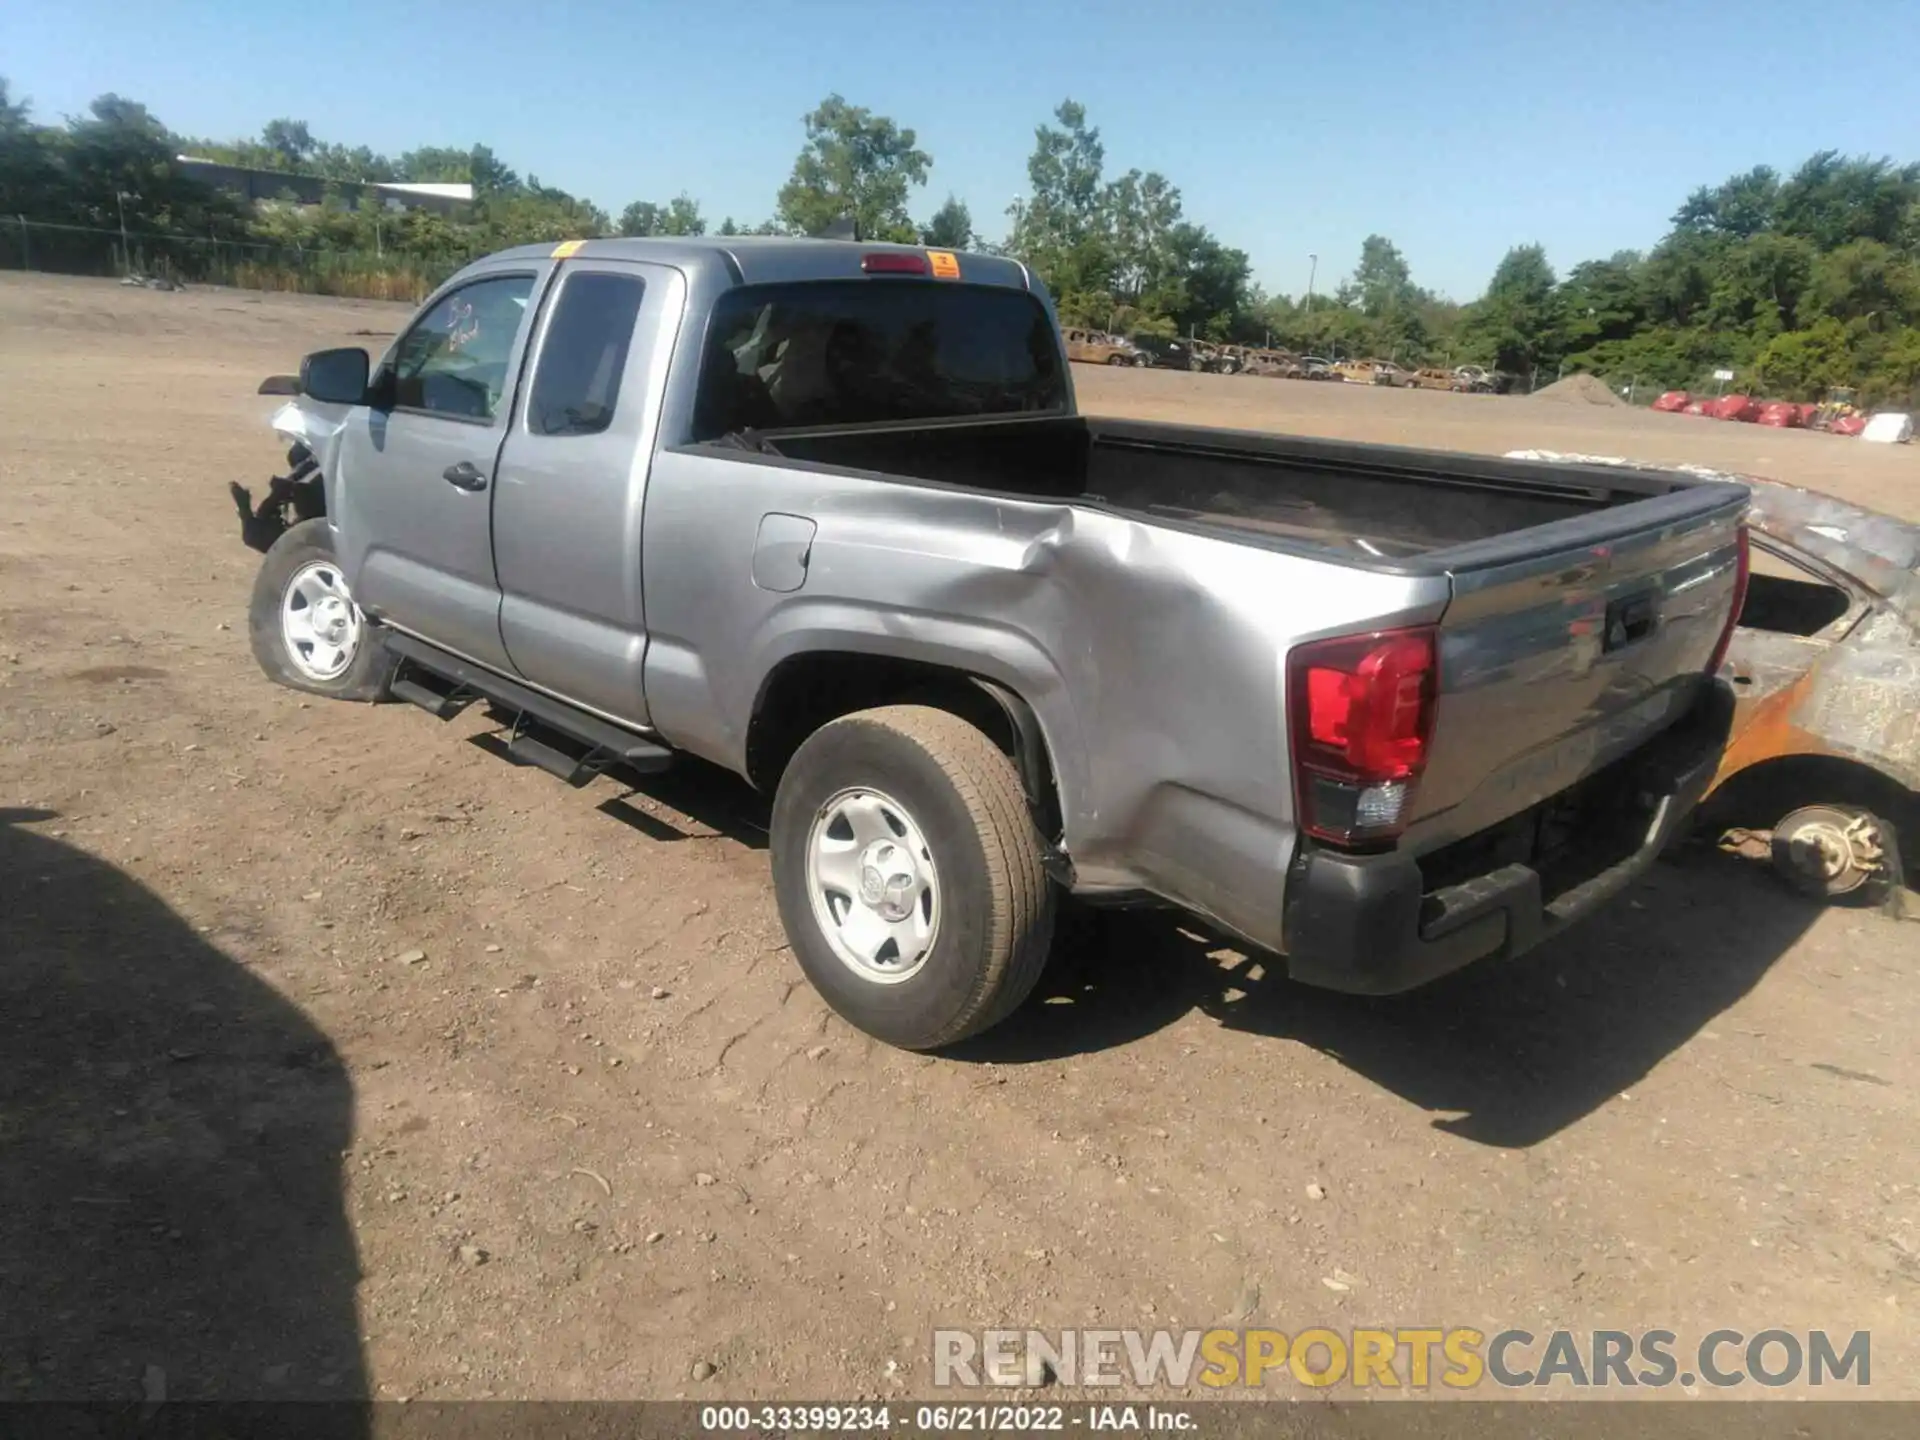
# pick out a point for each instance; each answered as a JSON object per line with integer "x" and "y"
{"x": 809, "y": 690}
{"x": 1764, "y": 791}
{"x": 1763, "y": 794}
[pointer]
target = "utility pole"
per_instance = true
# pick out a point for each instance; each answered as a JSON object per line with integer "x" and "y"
{"x": 26, "y": 244}
{"x": 126, "y": 251}
{"x": 1313, "y": 268}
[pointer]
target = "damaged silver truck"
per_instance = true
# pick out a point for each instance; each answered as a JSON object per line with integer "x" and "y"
{"x": 824, "y": 513}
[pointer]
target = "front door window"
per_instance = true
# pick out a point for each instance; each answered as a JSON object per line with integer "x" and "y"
{"x": 453, "y": 362}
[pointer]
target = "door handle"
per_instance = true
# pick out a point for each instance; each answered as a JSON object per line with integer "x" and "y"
{"x": 464, "y": 476}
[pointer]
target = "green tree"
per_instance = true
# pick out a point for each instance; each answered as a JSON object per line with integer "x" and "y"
{"x": 1868, "y": 281}
{"x": 1831, "y": 200}
{"x": 1604, "y": 300}
{"x": 1063, "y": 172}
{"x": 1738, "y": 208}
{"x": 951, "y": 227}
{"x": 855, "y": 165}
{"x": 1758, "y": 285}
{"x": 679, "y": 216}
{"x": 1802, "y": 365}
{"x": 1140, "y": 214}
{"x": 290, "y": 142}
{"x": 1061, "y": 228}
{"x": 1214, "y": 279}
{"x": 477, "y": 165}
{"x": 118, "y": 159}
{"x": 29, "y": 179}
{"x": 1517, "y": 324}
{"x": 1382, "y": 278}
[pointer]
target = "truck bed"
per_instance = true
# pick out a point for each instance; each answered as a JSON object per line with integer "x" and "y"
{"x": 1376, "y": 505}
{"x": 1585, "y": 602}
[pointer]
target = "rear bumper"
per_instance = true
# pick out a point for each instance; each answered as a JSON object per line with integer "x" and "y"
{"x": 1375, "y": 925}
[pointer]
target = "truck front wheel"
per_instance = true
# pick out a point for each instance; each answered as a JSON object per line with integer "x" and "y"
{"x": 909, "y": 875}
{"x": 307, "y": 633}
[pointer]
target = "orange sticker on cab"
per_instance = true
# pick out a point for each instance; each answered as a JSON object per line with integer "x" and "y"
{"x": 566, "y": 248}
{"x": 946, "y": 265}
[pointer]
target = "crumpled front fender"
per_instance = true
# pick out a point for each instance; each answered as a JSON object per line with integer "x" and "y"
{"x": 317, "y": 427}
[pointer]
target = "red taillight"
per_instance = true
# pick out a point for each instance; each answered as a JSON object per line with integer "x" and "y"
{"x": 894, "y": 262}
{"x": 1362, "y": 716}
{"x": 1742, "y": 567}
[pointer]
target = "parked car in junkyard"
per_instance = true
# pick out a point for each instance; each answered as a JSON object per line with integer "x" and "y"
{"x": 1213, "y": 358}
{"x": 1274, "y": 364}
{"x": 1822, "y": 773}
{"x": 1164, "y": 352}
{"x": 1097, "y": 347}
{"x": 826, "y": 514}
{"x": 1360, "y": 371}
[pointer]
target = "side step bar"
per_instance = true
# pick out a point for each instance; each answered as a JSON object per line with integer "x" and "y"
{"x": 543, "y": 725}
{"x": 411, "y": 686}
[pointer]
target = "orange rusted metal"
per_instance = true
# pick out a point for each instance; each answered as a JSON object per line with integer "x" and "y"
{"x": 1763, "y": 729}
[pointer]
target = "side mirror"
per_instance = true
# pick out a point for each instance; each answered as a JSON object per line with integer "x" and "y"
{"x": 335, "y": 377}
{"x": 279, "y": 385}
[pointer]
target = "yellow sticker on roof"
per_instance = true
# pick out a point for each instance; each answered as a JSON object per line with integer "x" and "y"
{"x": 566, "y": 248}
{"x": 946, "y": 265}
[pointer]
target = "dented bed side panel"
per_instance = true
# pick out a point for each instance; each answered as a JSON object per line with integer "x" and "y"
{"x": 1153, "y": 657}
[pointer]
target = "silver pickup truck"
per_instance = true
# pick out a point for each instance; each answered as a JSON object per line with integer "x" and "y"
{"x": 824, "y": 513}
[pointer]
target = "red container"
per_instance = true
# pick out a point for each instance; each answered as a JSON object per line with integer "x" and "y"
{"x": 1673, "y": 402}
{"x": 1849, "y": 424}
{"x": 1781, "y": 414}
{"x": 1698, "y": 407}
{"x": 1734, "y": 407}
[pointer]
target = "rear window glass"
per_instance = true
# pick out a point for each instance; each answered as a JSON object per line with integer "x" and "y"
{"x": 584, "y": 355}
{"x": 862, "y": 351}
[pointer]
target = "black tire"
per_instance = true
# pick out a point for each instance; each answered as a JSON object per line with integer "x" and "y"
{"x": 1116, "y": 359}
{"x": 994, "y": 925}
{"x": 366, "y": 676}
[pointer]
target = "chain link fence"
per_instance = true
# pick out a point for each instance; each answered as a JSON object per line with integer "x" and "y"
{"x": 184, "y": 259}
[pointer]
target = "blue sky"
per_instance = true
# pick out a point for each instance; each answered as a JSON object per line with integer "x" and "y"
{"x": 1291, "y": 128}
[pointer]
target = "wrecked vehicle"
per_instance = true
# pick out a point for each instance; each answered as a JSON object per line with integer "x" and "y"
{"x": 1822, "y": 774}
{"x": 825, "y": 514}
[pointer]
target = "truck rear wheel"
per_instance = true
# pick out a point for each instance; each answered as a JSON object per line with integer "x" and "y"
{"x": 909, "y": 875}
{"x": 307, "y": 633}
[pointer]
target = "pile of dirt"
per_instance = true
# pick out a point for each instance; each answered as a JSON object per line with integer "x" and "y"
{"x": 1578, "y": 390}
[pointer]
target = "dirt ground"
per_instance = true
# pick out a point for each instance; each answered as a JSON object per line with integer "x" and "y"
{"x": 339, "y": 1056}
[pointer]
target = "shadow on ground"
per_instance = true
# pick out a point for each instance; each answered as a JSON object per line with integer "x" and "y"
{"x": 172, "y": 1130}
{"x": 1506, "y": 1053}
{"x": 717, "y": 801}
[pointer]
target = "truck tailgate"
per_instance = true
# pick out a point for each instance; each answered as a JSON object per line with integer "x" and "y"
{"x": 1567, "y": 645}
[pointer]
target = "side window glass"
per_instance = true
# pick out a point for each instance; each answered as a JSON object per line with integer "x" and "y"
{"x": 454, "y": 361}
{"x": 577, "y": 381}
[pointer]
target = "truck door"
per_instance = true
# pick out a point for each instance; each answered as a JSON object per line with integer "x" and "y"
{"x": 414, "y": 493}
{"x": 572, "y": 482}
